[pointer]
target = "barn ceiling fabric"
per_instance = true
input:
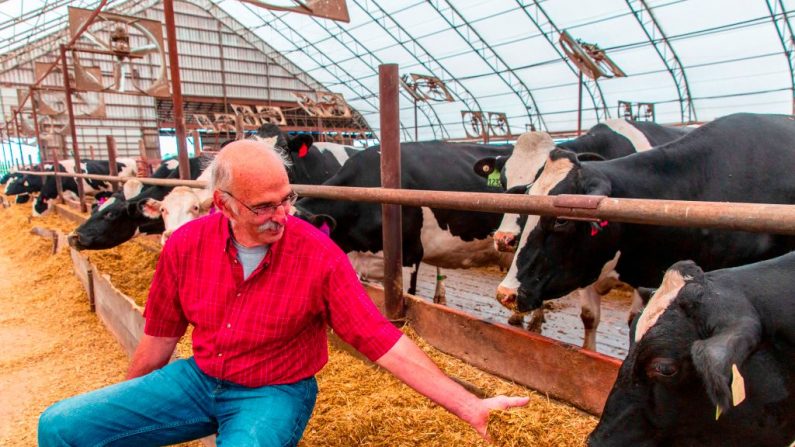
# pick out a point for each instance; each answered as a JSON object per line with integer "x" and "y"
{"x": 694, "y": 60}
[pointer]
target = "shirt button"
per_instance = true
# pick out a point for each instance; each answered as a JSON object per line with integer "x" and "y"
{"x": 220, "y": 354}
{"x": 228, "y": 325}
{"x": 235, "y": 261}
{"x": 239, "y": 294}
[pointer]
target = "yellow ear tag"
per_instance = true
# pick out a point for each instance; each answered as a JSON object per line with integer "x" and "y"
{"x": 717, "y": 412}
{"x": 738, "y": 386}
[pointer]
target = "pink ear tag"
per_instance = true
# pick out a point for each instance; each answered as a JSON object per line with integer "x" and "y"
{"x": 325, "y": 229}
{"x": 303, "y": 151}
{"x": 596, "y": 227}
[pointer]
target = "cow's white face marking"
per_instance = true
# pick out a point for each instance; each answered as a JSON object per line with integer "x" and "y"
{"x": 528, "y": 156}
{"x": 106, "y": 204}
{"x": 129, "y": 167}
{"x": 270, "y": 141}
{"x": 554, "y": 172}
{"x": 630, "y": 132}
{"x": 132, "y": 188}
{"x": 172, "y": 164}
{"x": 672, "y": 283}
{"x": 337, "y": 150}
{"x": 179, "y": 207}
{"x": 442, "y": 249}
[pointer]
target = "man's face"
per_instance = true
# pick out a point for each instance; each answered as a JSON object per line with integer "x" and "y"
{"x": 258, "y": 217}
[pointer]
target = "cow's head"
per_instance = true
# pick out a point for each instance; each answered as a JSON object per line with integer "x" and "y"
{"x": 557, "y": 256}
{"x": 179, "y": 207}
{"x": 42, "y": 205}
{"x": 112, "y": 223}
{"x": 521, "y": 168}
{"x": 697, "y": 373}
{"x": 354, "y": 226}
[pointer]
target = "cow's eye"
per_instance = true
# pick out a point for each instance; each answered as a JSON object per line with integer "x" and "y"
{"x": 561, "y": 223}
{"x": 195, "y": 207}
{"x": 662, "y": 368}
{"x": 162, "y": 211}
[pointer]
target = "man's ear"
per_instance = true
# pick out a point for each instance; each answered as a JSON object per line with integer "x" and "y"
{"x": 220, "y": 204}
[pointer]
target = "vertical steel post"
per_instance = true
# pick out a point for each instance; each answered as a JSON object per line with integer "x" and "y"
{"x": 390, "y": 178}
{"x": 58, "y": 185}
{"x": 9, "y": 157}
{"x": 197, "y": 144}
{"x": 19, "y": 138}
{"x": 176, "y": 90}
{"x": 579, "y": 105}
{"x": 416, "y": 132}
{"x": 36, "y": 129}
{"x": 72, "y": 130}
{"x": 114, "y": 170}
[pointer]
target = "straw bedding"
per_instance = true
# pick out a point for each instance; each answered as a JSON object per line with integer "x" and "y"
{"x": 67, "y": 351}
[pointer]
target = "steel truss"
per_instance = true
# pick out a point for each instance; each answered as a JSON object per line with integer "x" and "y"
{"x": 291, "y": 35}
{"x": 457, "y": 22}
{"x": 651, "y": 27}
{"x": 780, "y": 17}
{"x": 422, "y": 56}
{"x": 535, "y": 12}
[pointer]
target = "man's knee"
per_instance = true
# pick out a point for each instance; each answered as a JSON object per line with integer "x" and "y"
{"x": 55, "y": 426}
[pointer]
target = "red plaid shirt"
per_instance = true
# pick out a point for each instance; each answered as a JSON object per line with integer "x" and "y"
{"x": 270, "y": 328}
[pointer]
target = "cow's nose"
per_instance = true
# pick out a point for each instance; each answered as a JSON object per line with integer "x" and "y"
{"x": 73, "y": 240}
{"x": 507, "y": 297}
{"x": 505, "y": 242}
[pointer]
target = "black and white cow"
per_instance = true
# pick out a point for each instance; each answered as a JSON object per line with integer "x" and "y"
{"x": 444, "y": 238}
{"x": 125, "y": 167}
{"x": 122, "y": 216}
{"x": 711, "y": 362}
{"x": 738, "y": 158}
{"x": 311, "y": 163}
{"x": 19, "y": 183}
{"x": 612, "y": 139}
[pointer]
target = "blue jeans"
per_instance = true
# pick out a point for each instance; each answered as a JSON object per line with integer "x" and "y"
{"x": 178, "y": 403}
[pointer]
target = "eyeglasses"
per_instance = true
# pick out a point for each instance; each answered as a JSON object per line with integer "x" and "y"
{"x": 267, "y": 210}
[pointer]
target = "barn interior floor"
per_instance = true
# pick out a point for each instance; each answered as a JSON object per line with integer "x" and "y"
{"x": 472, "y": 291}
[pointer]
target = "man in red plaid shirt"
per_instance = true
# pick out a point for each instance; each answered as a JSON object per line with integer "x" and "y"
{"x": 259, "y": 287}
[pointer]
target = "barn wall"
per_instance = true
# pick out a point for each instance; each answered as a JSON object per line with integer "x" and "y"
{"x": 208, "y": 39}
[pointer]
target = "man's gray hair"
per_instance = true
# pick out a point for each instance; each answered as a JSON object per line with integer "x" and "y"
{"x": 221, "y": 171}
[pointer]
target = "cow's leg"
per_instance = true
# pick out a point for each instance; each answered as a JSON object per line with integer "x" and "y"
{"x": 590, "y": 313}
{"x": 413, "y": 282}
{"x": 536, "y": 321}
{"x": 516, "y": 319}
{"x": 635, "y": 308}
{"x": 439, "y": 295}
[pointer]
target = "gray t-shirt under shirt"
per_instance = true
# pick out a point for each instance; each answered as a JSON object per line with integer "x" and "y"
{"x": 250, "y": 257}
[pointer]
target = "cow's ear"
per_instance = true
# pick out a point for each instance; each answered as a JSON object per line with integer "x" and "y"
{"x": 716, "y": 357}
{"x": 301, "y": 144}
{"x": 150, "y": 208}
{"x": 646, "y": 294}
{"x": 485, "y": 166}
{"x": 594, "y": 183}
{"x": 206, "y": 203}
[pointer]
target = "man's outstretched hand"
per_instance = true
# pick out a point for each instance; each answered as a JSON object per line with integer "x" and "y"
{"x": 480, "y": 418}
